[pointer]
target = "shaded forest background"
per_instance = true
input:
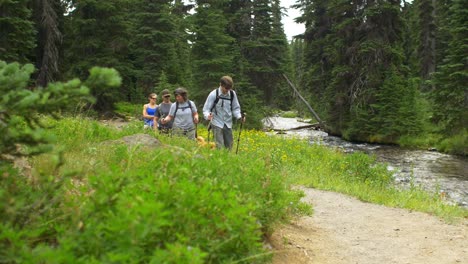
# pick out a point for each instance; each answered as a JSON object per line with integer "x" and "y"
{"x": 374, "y": 70}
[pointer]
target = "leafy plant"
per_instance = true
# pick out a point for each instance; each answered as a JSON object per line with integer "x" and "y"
{"x": 20, "y": 105}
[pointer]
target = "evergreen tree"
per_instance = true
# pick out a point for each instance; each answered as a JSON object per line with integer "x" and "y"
{"x": 182, "y": 47}
{"x": 213, "y": 50}
{"x": 427, "y": 42}
{"x": 450, "y": 95}
{"x": 411, "y": 38}
{"x": 297, "y": 70}
{"x": 97, "y": 34}
{"x": 17, "y": 39}
{"x": 48, "y": 15}
{"x": 343, "y": 42}
{"x": 282, "y": 60}
{"x": 367, "y": 52}
{"x": 442, "y": 31}
{"x": 153, "y": 42}
{"x": 239, "y": 28}
{"x": 316, "y": 59}
{"x": 266, "y": 50}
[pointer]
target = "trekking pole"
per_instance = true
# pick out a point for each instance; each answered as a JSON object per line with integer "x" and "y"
{"x": 240, "y": 131}
{"x": 209, "y": 129}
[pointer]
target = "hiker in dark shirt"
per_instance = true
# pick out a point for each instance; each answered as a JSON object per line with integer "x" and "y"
{"x": 162, "y": 112}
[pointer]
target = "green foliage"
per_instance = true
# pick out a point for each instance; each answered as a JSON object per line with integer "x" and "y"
{"x": 398, "y": 109}
{"x": 179, "y": 204}
{"x": 159, "y": 35}
{"x": 97, "y": 33}
{"x": 19, "y": 107}
{"x": 355, "y": 174}
{"x": 27, "y": 213}
{"x": 212, "y": 51}
{"x": 103, "y": 83}
{"x": 18, "y": 33}
{"x": 128, "y": 109}
{"x": 449, "y": 97}
{"x": 457, "y": 144}
{"x": 107, "y": 202}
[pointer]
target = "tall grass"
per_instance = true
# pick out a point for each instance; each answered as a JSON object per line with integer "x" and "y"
{"x": 354, "y": 174}
{"x": 94, "y": 199}
{"x": 97, "y": 200}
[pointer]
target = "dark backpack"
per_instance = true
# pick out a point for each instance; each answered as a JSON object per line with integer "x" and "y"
{"x": 218, "y": 97}
{"x": 177, "y": 107}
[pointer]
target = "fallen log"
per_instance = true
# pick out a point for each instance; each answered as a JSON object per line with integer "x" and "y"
{"x": 315, "y": 126}
{"x": 303, "y": 100}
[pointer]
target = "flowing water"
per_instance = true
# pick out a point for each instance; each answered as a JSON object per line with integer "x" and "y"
{"x": 433, "y": 171}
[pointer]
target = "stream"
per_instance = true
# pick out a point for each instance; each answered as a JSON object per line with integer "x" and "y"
{"x": 433, "y": 171}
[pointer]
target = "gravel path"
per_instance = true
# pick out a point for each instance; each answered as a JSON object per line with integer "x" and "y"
{"x": 345, "y": 230}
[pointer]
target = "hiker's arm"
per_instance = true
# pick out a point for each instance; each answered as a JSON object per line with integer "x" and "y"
{"x": 195, "y": 117}
{"x": 194, "y": 109}
{"x": 208, "y": 103}
{"x": 145, "y": 114}
{"x": 157, "y": 115}
{"x": 236, "y": 110}
{"x": 167, "y": 119}
{"x": 155, "y": 120}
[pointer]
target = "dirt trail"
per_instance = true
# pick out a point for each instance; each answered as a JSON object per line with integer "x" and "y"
{"x": 345, "y": 230}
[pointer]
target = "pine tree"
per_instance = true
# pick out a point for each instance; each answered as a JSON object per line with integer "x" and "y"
{"x": 213, "y": 50}
{"x": 450, "y": 95}
{"x": 17, "y": 39}
{"x": 97, "y": 34}
{"x": 316, "y": 59}
{"x": 411, "y": 38}
{"x": 427, "y": 42}
{"x": 153, "y": 45}
{"x": 266, "y": 51}
{"x": 367, "y": 52}
{"x": 48, "y": 15}
{"x": 183, "y": 72}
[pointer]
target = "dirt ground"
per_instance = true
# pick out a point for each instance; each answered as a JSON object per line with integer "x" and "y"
{"x": 345, "y": 230}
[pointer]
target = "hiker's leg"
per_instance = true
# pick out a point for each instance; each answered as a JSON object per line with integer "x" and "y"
{"x": 228, "y": 138}
{"x": 177, "y": 132}
{"x": 218, "y": 136}
{"x": 190, "y": 134}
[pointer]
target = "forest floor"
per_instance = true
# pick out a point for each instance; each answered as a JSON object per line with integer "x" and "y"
{"x": 345, "y": 230}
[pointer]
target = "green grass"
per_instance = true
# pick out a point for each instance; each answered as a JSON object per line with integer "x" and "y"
{"x": 356, "y": 174}
{"x": 94, "y": 200}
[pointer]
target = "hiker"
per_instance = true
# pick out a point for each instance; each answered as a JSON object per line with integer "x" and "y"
{"x": 185, "y": 115}
{"x": 162, "y": 112}
{"x": 149, "y": 110}
{"x": 220, "y": 108}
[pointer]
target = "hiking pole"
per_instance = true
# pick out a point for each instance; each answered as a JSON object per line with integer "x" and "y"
{"x": 240, "y": 131}
{"x": 209, "y": 129}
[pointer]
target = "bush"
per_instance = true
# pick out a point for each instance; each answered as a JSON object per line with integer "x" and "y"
{"x": 20, "y": 106}
{"x": 179, "y": 204}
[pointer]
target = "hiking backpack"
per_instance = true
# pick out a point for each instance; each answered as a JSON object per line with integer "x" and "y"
{"x": 231, "y": 92}
{"x": 177, "y": 107}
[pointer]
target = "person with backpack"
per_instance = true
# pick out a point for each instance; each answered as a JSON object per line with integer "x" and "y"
{"x": 163, "y": 111}
{"x": 185, "y": 115}
{"x": 221, "y": 107}
{"x": 148, "y": 111}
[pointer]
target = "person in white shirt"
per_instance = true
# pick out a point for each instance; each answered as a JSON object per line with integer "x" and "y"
{"x": 221, "y": 106}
